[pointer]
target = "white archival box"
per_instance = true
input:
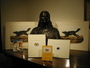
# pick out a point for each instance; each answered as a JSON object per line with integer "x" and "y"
{"x": 61, "y": 48}
{"x": 35, "y": 43}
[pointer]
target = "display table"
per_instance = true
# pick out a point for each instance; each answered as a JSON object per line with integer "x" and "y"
{"x": 77, "y": 59}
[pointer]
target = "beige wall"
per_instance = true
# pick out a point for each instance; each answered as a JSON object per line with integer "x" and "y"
{"x": 28, "y": 10}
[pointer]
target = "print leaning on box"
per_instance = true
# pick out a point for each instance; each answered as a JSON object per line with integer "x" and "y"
{"x": 17, "y": 46}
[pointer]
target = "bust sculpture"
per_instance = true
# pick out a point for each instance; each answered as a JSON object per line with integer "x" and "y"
{"x": 45, "y": 27}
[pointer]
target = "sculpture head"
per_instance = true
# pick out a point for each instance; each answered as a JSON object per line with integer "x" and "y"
{"x": 44, "y": 19}
{"x": 44, "y": 16}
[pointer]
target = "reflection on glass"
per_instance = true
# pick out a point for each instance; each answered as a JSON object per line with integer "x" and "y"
{"x": 24, "y": 57}
{"x": 44, "y": 64}
{"x": 30, "y": 58}
{"x": 75, "y": 65}
{"x": 67, "y": 63}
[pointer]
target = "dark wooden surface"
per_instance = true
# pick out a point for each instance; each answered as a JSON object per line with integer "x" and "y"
{"x": 78, "y": 59}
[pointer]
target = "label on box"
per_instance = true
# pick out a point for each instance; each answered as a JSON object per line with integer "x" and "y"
{"x": 47, "y": 53}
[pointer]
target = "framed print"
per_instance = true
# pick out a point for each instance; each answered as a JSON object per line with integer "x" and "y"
{"x": 17, "y": 31}
{"x": 47, "y": 53}
{"x": 61, "y": 48}
{"x": 77, "y": 32}
{"x": 35, "y": 43}
{"x": 87, "y": 10}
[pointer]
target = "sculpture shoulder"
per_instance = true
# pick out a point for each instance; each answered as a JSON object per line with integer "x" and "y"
{"x": 56, "y": 33}
{"x": 34, "y": 30}
{"x": 55, "y": 29}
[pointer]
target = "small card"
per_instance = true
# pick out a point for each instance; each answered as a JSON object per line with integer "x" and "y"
{"x": 47, "y": 53}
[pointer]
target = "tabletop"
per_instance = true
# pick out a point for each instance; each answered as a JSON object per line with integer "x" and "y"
{"x": 76, "y": 59}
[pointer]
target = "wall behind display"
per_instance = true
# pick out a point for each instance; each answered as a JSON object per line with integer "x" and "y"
{"x": 28, "y": 10}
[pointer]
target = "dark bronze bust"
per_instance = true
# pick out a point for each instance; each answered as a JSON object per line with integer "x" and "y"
{"x": 45, "y": 27}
